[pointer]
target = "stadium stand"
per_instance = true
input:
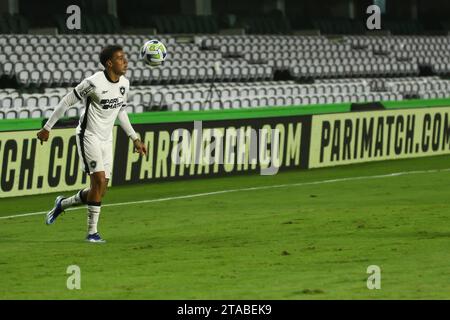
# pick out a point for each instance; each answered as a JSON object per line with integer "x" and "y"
{"x": 244, "y": 94}
{"x": 243, "y": 68}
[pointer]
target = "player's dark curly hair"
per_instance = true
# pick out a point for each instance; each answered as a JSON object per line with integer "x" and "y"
{"x": 107, "y": 53}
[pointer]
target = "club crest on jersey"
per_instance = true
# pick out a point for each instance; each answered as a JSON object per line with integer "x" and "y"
{"x": 93, "y": 164}
{"x": 122, "y": 90}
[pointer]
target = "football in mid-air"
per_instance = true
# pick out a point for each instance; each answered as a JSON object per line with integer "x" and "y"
{"x": 153, "y": 53}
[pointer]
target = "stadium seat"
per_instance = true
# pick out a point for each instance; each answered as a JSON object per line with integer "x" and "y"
{"x": 155, "y": 75}
{"x": 43, "y": 102}
{"x": 47, "y": 112}
{"x": 24, "y": 114}
{"x": 72, "y": 112}
{"x": 6, "y": 103}
{"x": 23, "y": 78}
{"x": 35, "y": 78}
{"x": 18, "y": 102}
{"x": 67, "y": 78}
{"x": 11, "y": 114}
{"x": 175, "y": 106}
{"x": 53, "y": 100}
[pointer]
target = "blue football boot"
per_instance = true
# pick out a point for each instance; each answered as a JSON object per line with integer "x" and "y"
{"x": 95, "y": 238}
{"x": 55, "y": 212}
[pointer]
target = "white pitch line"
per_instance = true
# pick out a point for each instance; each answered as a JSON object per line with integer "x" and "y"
{"x": 389, "y": 175}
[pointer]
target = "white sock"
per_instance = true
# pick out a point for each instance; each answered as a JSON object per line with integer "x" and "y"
{"x": 93, "y": 215}
{"x": 72, "y": 201}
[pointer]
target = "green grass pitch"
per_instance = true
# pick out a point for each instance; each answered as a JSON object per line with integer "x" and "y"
{"x": 304, "y": 241}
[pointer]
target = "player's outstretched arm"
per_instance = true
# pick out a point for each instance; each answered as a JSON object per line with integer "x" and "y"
{"x": 69, "y": 100}
{"x": 124, "y": 121}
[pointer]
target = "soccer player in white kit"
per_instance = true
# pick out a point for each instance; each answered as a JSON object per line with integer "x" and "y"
{"x": 104, "y": 95}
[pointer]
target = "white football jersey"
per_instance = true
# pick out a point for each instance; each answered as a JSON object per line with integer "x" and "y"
{"x": 103, "y": 99}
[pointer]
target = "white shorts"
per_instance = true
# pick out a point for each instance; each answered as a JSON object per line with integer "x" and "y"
{"x": 95, "y": 154}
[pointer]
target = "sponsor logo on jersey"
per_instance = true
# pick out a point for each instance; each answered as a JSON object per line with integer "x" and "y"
{"x": 111, "y": 103}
